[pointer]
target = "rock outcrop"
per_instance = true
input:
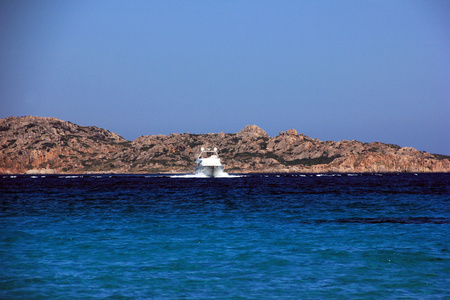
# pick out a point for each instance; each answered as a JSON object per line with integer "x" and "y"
{"x": 47, "y": 145}
{"x": 38, "y": 144}
{"x": 252, "y": 131}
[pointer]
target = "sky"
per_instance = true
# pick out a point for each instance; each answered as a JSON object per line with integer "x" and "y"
{"x": 334, "y": 70}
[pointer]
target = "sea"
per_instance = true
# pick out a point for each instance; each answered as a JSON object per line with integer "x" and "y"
{"x": 258, "y": 236}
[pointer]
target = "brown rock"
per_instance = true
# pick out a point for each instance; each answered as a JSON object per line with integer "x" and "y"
{"x": 252, "y": 131}
{"x": 292, "y": 132}
{"x": 38, "y": 145}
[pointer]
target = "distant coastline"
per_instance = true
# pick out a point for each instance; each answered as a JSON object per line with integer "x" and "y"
{"x": 100, "y": 173}
{"x": 36, "y": 145}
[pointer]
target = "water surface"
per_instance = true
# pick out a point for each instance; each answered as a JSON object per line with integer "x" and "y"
{"x": 295, "y": 236}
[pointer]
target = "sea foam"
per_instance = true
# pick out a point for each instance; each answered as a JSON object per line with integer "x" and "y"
{"x": 223, "y": 175}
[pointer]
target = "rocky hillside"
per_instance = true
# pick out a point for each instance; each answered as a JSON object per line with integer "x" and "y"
{"x": 46, "y": 145}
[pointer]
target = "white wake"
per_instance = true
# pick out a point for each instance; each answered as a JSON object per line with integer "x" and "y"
{"x": 201, "y": 175}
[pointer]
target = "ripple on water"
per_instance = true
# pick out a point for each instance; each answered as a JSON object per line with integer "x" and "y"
{"x": 285, "y": 236}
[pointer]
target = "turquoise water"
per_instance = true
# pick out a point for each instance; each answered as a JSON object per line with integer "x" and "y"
{"x": 298, "y": 236}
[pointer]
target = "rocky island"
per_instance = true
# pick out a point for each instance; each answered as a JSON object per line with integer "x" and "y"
{"x": 48, "y": 145}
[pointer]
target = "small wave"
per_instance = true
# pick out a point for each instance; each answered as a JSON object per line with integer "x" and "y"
{"x": 410, "y": 220}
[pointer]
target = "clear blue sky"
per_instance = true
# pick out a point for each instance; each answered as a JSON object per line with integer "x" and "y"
{"x": 365, "y": 70}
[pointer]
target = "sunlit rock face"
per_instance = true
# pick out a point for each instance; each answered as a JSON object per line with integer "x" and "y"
{"x": 47, "y": 145}
{"x": 252, "y": 131}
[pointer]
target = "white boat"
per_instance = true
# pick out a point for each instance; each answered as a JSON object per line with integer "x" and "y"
{"x": 209, "y": 163}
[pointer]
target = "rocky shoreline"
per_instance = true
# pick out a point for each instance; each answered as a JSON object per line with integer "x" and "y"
{"x": 36, "y": 145}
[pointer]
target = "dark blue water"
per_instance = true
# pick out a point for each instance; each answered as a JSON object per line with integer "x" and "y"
{"x": 256, "y": 237}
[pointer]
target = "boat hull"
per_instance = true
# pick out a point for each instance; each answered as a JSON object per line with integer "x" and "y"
{"x": 210, "y": 171}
